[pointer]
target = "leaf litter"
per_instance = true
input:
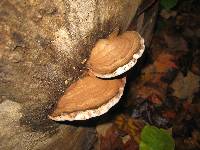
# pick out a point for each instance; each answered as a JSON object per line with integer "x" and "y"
{"x": 165, "y": 96}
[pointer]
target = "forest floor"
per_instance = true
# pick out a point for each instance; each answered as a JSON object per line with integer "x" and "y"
{"x": 164, "y": 88}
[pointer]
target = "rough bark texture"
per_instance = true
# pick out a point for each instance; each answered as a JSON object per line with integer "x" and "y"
{"x": 43, "y": 48}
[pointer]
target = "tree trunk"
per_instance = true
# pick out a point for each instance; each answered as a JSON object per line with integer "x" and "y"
{"x": 44, "y": 45}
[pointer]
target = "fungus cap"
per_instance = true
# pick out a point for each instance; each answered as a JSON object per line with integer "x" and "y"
{"x": 88, "y": 97}
{"x": 113, "y": 56}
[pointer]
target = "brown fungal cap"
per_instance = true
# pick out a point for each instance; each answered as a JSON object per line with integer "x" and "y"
{"x": 88, "y": 97}
{"x": 114, "y": 56}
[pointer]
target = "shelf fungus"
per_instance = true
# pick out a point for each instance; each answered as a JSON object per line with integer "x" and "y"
{"x": 115, "y": 55}
{"x": 92, "y": 95}
{"x": 88, "y": 97}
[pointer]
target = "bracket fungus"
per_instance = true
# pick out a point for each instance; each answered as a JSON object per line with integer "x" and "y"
{"x": 115, "y": 55}
{"x": 92, "y": 95}
{"x": 88, "y": 97}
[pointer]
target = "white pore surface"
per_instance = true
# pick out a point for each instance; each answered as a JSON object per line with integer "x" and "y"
{"x": 86, "y": 114}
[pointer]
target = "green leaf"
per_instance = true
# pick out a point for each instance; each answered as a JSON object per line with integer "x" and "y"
{"x": 168, "y": 4}
{"x": 153, "y": 138}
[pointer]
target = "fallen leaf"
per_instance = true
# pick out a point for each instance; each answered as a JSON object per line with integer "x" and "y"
{"x": 168, "y": 4}
{"x": 130, "y": 126}
{"x": 185, "y": 87}
{"x": 111, "y": 139}
{"x": 131, "y": 145}
{"x": 169, "y": 114}
{"x": 164, "y": 62}
{"x": 153, "y": 138}
{"x": 176, "y": 43}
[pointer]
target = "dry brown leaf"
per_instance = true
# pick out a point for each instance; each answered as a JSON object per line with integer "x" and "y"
{"x": 111, "y": 140}
{"x": 130, "y": 126}
{"x": 185, "y": 87}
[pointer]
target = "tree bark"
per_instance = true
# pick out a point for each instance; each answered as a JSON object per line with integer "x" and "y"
{"x": 44, "y": 45}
